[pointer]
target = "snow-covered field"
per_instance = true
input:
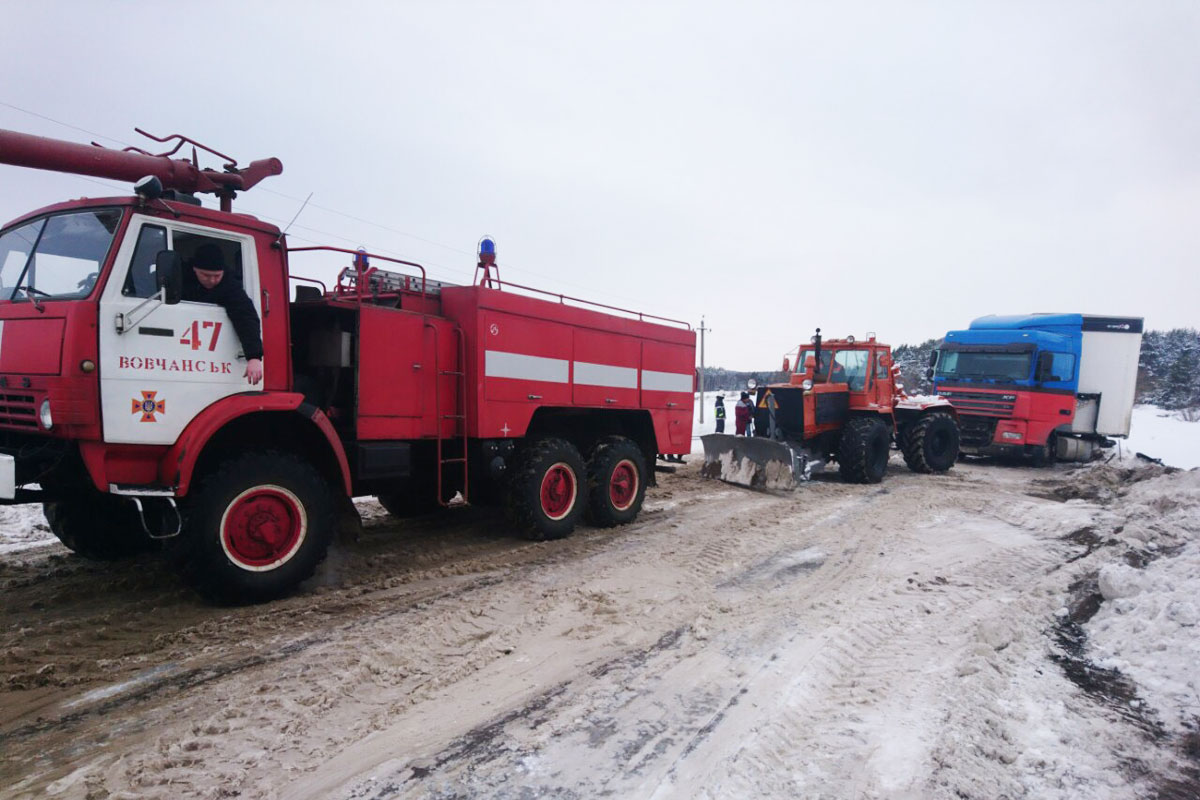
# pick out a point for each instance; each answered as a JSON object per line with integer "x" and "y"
{"x": 1165, "y": 435}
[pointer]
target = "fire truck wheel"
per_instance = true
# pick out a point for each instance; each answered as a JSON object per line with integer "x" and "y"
{"x": 545, "y": 495}
{"x": 931, "y": 443}
{"x": 100, "y": 527}
{"x": 616, "y": 482}
{"x": 256, "y": 527}
{"x": 864, "y": 450}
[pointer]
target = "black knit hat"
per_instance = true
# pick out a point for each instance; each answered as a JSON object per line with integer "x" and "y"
{"x": 209, "y": 257}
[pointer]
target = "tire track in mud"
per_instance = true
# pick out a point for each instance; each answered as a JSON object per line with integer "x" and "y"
{"x": 877, "y": 666}
{"x": 627, "y": 717}
{"x": 231, "y": 638}
{"x": 641, "y": 730}
{"x": 762, "y": 618}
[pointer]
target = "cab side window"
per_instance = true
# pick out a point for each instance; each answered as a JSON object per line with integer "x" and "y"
{"x": 1062, "y": 367}
{"x": 139, "y": 282}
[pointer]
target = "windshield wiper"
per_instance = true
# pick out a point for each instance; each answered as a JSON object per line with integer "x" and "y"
{"x": 32, "y": 293}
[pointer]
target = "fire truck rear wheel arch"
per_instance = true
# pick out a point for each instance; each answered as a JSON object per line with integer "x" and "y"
{"x": 255, "y": 527}
{"x": 616, "y": 482}
{"x": 930, "y": 443}
{"x": 547, "y": 492}
{"x": 864, "y": 449}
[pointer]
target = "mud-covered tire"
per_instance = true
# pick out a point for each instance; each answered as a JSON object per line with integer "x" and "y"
{"x": 256, "y": 527}
{"x": 546, "y": 492}
{"x": 99, "y": 527}
{"x": 864, "y": 450}
{"x": 931, "y": 443}
{"x": 616, "y": 473}
{"x": 1047, "y": 454}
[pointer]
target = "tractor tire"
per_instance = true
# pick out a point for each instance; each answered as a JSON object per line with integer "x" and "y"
{"x": 98, "y": 527}
{"x": 545, "y": 497}
{"x": 616, "y": 482}
{"x": 931, "y": 443}
{"x": 864, "y": 450}
{"x": 256, "y": 527}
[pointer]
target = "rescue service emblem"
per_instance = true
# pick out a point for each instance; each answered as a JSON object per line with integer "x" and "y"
{"x": 148, "y": 406}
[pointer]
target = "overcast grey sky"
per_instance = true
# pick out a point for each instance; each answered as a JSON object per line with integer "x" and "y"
{"x": 895, "y": 167}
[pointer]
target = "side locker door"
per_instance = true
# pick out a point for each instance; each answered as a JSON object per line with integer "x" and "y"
{"x": 667, "y": 379}
{"x": 175, "y": 361}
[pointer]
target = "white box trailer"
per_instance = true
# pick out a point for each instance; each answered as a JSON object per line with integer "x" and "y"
{"x": 1110, "y": 348}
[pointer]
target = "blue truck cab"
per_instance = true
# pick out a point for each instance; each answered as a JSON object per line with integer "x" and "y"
{"x": 1041, "y": 386}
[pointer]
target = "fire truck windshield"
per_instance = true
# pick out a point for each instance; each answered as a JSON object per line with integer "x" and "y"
{"x": 56, "y": 257}
{"x": 993, "y": 366}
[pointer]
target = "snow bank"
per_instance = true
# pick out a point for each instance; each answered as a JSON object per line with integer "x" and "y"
{"x": 1148, "y": 628}
{"x": 1165, "y": 435}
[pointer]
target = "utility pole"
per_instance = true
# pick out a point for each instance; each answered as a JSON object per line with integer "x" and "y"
{"x": 702, "y": 330}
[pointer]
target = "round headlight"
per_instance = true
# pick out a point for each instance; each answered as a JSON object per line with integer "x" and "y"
{"x": 44, "y": 415}
{"x": 806, "y": 385}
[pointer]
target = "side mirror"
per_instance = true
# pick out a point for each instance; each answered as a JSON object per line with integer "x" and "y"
{"x": 787, "y": 364}
{"x": 168, "y": 275}
{"x": 933, "y": 355}
{"x": 929, "y": 374}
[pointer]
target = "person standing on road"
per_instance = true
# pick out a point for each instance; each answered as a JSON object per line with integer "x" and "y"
{"x": 720, "y": 413}
{"x": 209, "y": 284}
{"x": 742, "y": 413}
{"x": 772, "y": 405}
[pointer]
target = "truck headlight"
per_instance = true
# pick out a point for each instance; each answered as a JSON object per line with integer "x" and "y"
{"x": 44, "y": 415}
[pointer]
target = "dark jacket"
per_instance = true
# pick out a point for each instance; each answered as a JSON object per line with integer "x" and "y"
{"x": 230, "y": 295}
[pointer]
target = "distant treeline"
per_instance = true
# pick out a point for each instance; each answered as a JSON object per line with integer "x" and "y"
{"x": 1168, "y": 372}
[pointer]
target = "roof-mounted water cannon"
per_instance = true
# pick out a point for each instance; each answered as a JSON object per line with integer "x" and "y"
{"x": 487, "y": 262}
{"x": 135, "y": 165}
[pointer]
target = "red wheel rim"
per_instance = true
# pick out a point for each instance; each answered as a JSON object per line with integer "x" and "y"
{"x": 263, "y": 527}
{"x": 623, "y": 485}
{"x": 558, "y": 491}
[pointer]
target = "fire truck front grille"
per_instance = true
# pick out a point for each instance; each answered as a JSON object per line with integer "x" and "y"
{"x": 982, "y": 403}
{"x": 18, "y": 411}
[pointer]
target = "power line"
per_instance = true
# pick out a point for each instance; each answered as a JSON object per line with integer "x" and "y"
{"x": 507, "y": 265}
{"x": 64, "y": 124}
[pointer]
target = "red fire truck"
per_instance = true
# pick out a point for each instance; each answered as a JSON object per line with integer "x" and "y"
{"x": 124, "y": 410}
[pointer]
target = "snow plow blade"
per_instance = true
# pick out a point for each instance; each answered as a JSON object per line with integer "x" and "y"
{"x": 755, "y": 462}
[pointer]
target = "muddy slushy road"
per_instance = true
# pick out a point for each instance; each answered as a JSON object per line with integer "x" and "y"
{"x": 838, "y": 641}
